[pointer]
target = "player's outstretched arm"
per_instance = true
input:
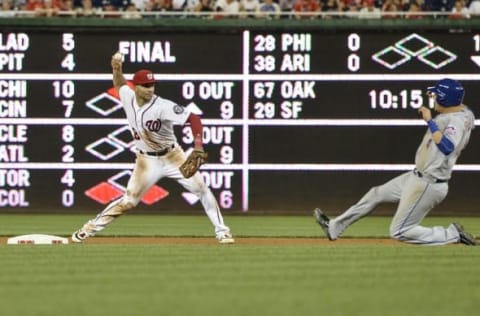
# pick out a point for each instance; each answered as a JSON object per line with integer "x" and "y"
{"x": 118, "y": 78}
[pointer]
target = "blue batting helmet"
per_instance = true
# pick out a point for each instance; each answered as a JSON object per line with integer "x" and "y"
{"x": 449, "y": 92}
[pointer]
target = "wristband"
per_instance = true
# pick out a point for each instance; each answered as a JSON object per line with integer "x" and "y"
{"x": 433, "y": 126}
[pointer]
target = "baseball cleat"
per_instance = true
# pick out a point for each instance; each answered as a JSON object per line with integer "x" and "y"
{"x": 88, "y": 230}
{"x": 79, "y": 236}
{"x": 323, "y": 221}
{"x": 225, "y": 238}
{"x": 465, "y": 237}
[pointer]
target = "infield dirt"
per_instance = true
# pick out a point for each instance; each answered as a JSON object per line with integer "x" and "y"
{"x": 238, "y": 241}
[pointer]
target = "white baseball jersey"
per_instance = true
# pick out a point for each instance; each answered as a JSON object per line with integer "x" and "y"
{"x": 152, "y": 124}
{"x": 457, "y": 128}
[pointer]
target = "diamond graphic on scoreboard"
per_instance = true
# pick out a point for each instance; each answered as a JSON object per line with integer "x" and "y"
{"x": 417, "y": 46}
{"x": 104, "y": 148}
{"x": 437, "y": 57}
{"x": 391, "y": 57}
{"x": 122, "y": 136}
{"x": 103, "y": 193}
{"x": 104, "y": 104}
{"x": 154, "y": 194}
{"x": 414, "y": 44}
{"x": 190, "y": 198}
{"x": 120, "y": 180}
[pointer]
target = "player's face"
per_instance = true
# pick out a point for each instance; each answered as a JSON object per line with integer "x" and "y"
{"x": 145, "y": 91}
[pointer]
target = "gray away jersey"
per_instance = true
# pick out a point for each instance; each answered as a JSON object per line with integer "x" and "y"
{"x": 457, "y": 128}
{"x": 152, "y": 124}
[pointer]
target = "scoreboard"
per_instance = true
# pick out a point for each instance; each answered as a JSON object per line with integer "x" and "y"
{"x": 291, "y": 119}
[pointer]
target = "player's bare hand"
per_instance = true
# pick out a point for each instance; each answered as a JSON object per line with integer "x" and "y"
{"x": 426, "y": 113}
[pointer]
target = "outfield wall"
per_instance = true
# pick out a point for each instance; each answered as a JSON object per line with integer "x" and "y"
{"x": 297, "y": 113}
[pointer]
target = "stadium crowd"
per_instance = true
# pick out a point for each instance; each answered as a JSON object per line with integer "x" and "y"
{"x": 299, "y": 9}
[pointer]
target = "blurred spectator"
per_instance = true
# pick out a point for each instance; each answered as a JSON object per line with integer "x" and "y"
{"x": 109, "y": 10}
{"x": 121, "y": 5}
{"x": 306, "y": 6}
{"x": 18, "y": 4}
{"x": 419, "y": 3}
{"x": 268, "y": 9}
{"x": 191, "y": 4}
{"x": 162, "y": 5}
{"x": 204, "y": 6}
{"x": 440, "y": 5}
{"x": 330, "y": 6}
{"x": 47, "y": 8}
{"x": 288, "y": 5}
{"x": 159, "y": 6}
{"x": 131, "y": 12}
{"x": 474, "y": 8}
{"x": 51, "y": 7}
{"x": 231, "y": 7}
{"x": 7, "y": 9}
{"x": 459, "y": 11}
{"x": 413, "y": 9}
{"x": 87, "y": 9}
{"x": 350, "y": 6}
{"x": 391, "y": 9}
{"x": 369, "y": 11}
{"x": 98, "y": 4}
{"x": 35, "y": 6}
{"x": 154, "y": 6}
{"x": 140, "y": 4}
{"x": 249, "y": 6}
{"x": 179, "y": 5}
{"x": 67, "y": 7}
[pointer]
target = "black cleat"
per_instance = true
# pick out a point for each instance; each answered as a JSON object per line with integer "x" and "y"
{"x": 323, "y": 221}
{"x": 465, "y": 237}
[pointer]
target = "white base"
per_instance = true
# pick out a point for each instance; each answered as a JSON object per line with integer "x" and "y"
{"x": 37, "y": 239}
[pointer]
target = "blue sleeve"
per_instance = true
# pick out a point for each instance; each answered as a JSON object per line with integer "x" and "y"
{"x": 446, "y": 146}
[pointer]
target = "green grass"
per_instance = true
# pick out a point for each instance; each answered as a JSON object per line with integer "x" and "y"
{"x": 242, "y": 225}
{"x": 233, "y": 280}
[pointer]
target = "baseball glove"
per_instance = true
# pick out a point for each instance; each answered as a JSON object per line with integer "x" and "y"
{"x": 193, "y": 163}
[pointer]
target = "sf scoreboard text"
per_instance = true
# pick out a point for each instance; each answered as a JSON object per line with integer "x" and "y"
{"x": 286, "y": 114}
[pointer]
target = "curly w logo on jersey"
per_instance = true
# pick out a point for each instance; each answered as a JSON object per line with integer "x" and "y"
{"x": 153, "y": 125}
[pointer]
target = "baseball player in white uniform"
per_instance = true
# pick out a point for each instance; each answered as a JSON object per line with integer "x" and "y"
{"x": 420, "y": 190}
{"x": 151, "y": 120}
